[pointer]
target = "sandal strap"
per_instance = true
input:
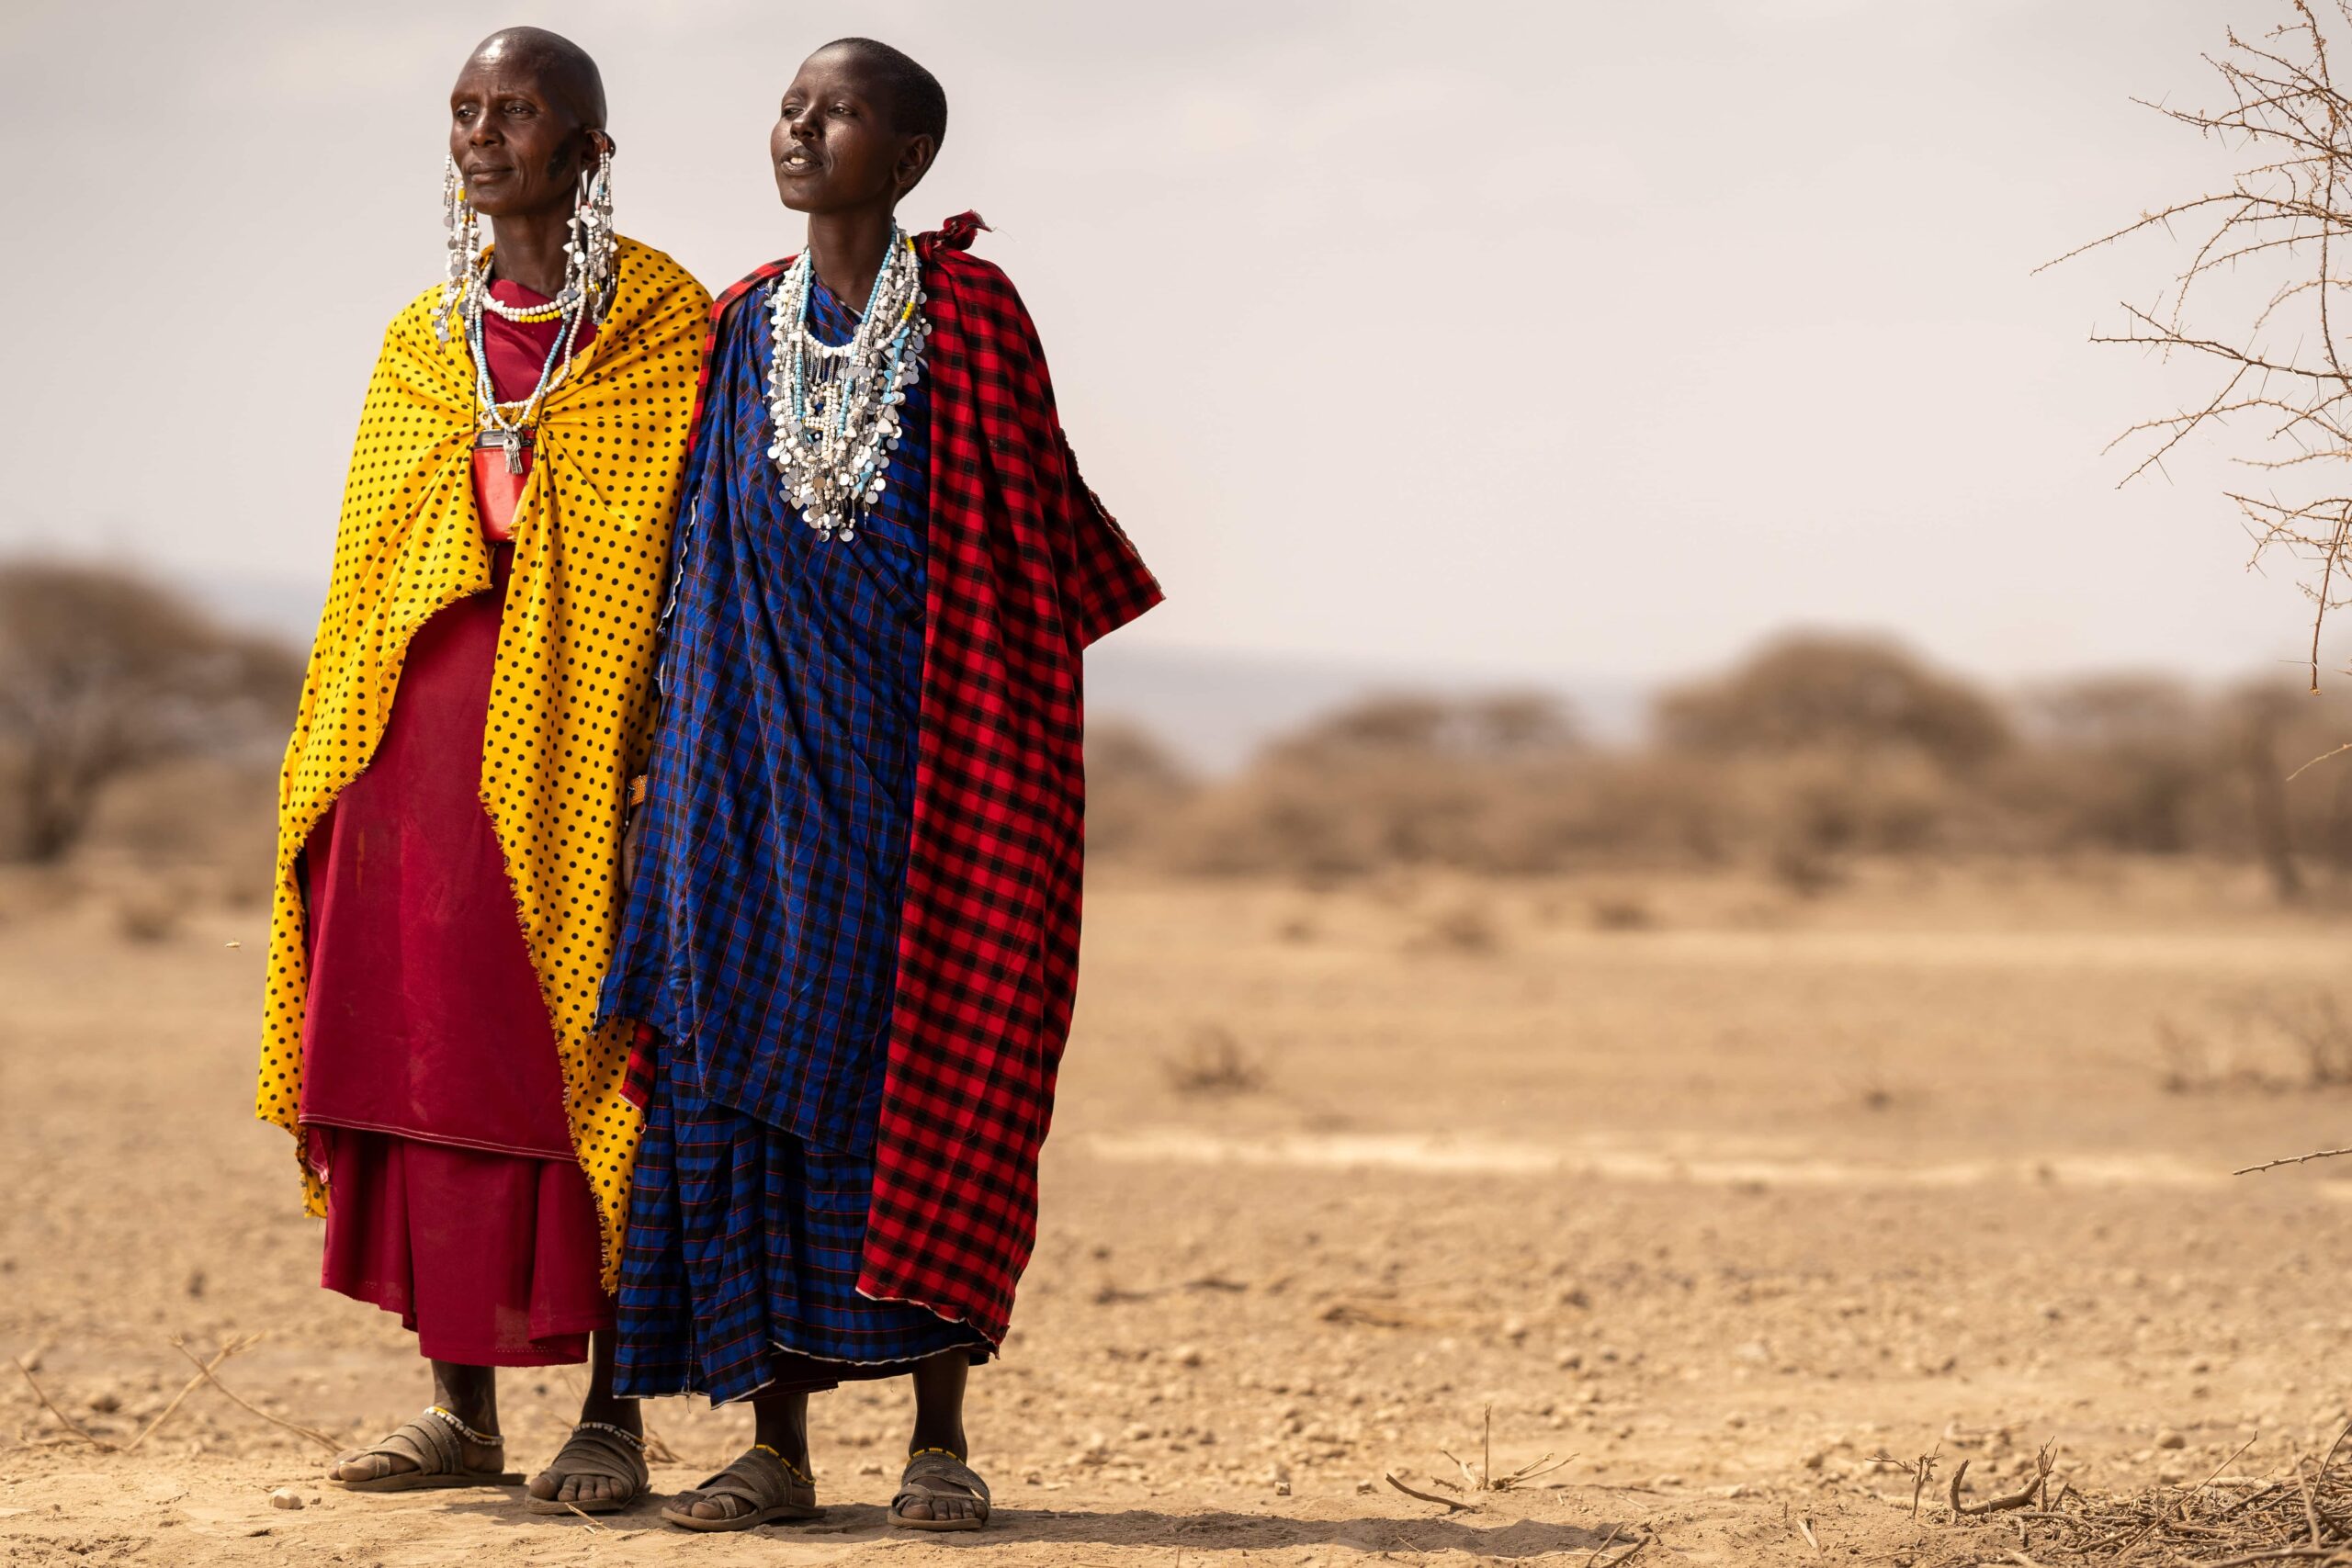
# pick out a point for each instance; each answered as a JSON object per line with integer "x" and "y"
{"x": 790, "y": 1469}
{"x": 928, "y": 1468}
{"x": 596, "y": 1448}
{"x": 761, "y": 1477}
{"x": 634, "y": 1442}
{"x": 431, "y": 1446}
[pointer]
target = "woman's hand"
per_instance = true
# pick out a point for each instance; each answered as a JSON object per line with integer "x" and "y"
{"x": 632, "y": 831}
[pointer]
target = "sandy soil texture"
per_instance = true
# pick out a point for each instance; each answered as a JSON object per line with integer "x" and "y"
{"x": 1719, "y": 1190}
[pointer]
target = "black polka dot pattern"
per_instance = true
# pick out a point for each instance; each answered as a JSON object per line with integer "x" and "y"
{"x": 570, "y": 705}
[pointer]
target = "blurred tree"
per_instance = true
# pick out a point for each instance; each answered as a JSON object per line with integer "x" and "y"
{"x": 2256, "y": 305}
{"x": 2264, "y": 715}
{"x": 2119, "y": 761}
{"x": 2121, "y": 713}
{"x": 1133, "y": 782}
{"x": 1399, "y": 778}
{"x": 1409, "y": 726}
{"x": 1816, "y": 691}
{"x": 102, "y": 672}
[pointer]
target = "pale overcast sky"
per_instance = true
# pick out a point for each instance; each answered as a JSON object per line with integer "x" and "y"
{"x": 1554, "y": 340}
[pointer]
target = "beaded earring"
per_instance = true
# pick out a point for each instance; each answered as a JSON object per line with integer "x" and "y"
{"x": 465, "y": 247}
{"x": 590, "y": 256}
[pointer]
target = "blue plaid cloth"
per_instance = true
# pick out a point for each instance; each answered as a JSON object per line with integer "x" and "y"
{"x": 743, "y": 1241}
{"x": 760, "y": 936}
{"x": 761, "y": 933}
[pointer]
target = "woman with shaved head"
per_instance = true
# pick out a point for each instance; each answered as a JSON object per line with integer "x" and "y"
{"x": 853, "y": 934}
{"x": 455, "y": 793}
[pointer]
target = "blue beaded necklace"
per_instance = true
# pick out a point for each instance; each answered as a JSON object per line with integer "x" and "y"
{"x": 834, "y": 432}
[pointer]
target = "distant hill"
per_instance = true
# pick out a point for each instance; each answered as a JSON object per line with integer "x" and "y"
{"x": 1216, "y": 709}
{"x": 1213, "y": 709}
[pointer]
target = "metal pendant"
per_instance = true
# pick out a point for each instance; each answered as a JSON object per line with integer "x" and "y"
{"x": 513, "y": 441}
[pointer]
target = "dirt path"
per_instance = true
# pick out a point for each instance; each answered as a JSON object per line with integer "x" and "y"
{"x": 1720, "y": 1207}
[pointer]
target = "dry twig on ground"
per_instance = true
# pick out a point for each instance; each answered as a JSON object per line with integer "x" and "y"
{"x": 235, "y": 1346}
{"x": 64, "y": 1420}
{"x": 1483, "y": 1479}
{"x": 204, "y": 1371}
{"x": 234, "y": 1398}
{"x": 2305, "y": 1516}
{"x": 2292, "y": 1159}
{"x": 2035, "y": 1488}
{"x": 1599, "y": 1560}
{"x": 1448, "y": 1504}
{"x": 1921, "y": 1470}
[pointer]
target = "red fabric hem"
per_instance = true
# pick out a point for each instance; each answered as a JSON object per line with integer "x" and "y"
{"x": 566, "y": 1346}
{"x": 414, "y": 1135}
{"x": 491, "y": 1259}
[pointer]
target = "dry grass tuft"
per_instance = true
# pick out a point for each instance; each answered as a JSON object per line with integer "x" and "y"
{"x": 1804, "y": 869}
{"x": 2259, "y": 1044}
{"x": 150, "y": 914}
{"x": 1212, "y": 1064}
{"x": 1621, "y": 912}
{"x": 2301, "y": 1515}
{"x": 1468, "y": 929}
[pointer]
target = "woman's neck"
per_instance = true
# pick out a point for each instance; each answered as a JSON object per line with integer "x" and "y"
{"x": 530, "y": 249}
{"x": 848, "y": 250}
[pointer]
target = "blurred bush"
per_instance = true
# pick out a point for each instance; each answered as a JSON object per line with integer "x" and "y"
{"x": 1814, "y": 752}
{"x": 1811, "y": 694}
{"x": 105, "y": 675}
{"x": 133, "y": 725}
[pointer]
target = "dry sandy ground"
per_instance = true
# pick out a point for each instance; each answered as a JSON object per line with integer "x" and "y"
{"x": 1721, "y": 1204}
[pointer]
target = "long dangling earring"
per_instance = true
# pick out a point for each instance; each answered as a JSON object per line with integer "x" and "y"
{"x": 465, "y": 247}
{"x": 589, "y": 261}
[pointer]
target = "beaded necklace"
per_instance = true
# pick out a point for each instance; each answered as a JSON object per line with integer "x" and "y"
{"x": 836, "y": 407}
{"x": 508, "y": 426}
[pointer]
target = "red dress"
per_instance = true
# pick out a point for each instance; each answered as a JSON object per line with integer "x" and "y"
{"x": 432, "y": 1093}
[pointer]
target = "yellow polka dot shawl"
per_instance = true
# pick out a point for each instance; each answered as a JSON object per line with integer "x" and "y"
{"x": 571, "y": 710}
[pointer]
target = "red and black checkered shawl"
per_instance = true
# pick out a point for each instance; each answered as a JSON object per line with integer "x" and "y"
{"x": 1027, "y": 569}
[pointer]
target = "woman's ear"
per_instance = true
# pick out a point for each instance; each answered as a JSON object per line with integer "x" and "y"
{"x": 914, "y": 160}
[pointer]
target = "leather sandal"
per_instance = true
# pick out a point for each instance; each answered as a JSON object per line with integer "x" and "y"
{"x": 602, "y": 1449}
{"x": 762, "y": 1480}
{"x": 936, "y": 1476}
{"x": 435, "y": 1443}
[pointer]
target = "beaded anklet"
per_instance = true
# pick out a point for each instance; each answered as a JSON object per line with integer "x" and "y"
{"x": 608, "y": 1426}
{"x": 791, "y": 1469}
{"x": 482, "y": 1439}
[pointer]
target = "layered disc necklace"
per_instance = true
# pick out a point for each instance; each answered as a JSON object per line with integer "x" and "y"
{"x": 836, "y": 407}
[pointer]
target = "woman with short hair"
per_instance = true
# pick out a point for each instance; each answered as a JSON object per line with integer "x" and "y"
{"x": 454, "y": 796}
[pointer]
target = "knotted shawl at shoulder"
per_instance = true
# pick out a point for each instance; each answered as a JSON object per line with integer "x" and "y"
{"x": 570, "y": 713}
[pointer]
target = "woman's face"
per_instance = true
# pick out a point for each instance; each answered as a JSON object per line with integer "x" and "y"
{"x": 518, "y": 148}
{"x": 834, "y": 147}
